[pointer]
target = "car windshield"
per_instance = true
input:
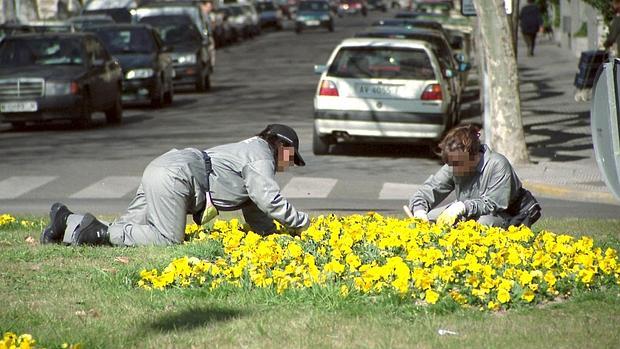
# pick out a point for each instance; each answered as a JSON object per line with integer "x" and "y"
{"x": 172, "y": 30}
{"x": 127, "y": 40}
{"x": 382, "y": 62}
{"x": 235, "y": 11}
{"x": 313, "y": 6}
{"x": 265, "y": 6}
{"x": 41, "y": 51}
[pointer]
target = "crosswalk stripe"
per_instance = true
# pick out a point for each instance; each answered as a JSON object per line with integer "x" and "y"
{"x": 397, "y": 191}
{"x": 13, "y": 187}
{"x": 309, "y": 187}
{"x": 112, "y": 187}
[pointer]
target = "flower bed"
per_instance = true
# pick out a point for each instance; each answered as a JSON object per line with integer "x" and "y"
{"x": 469, "y": 264}
{"x": 25, "y": 341}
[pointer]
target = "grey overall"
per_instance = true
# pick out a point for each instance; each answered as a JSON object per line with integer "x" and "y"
{"x": 175, "y": 184}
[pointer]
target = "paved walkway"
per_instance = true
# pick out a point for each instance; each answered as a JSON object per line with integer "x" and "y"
{"x": 557, "y": 128}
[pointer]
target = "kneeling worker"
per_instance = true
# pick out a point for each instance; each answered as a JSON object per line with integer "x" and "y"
{"x": 487, "y": 187}
{"x": 190, "y": 181}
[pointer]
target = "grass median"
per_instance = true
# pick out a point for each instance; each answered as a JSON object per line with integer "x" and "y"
{"x": 89, "y": 295}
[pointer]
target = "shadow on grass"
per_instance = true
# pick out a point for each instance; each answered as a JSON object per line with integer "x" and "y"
{"x": 192, "y": 318}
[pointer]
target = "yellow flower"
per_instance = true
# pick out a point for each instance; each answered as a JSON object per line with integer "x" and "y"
{"x": 431, "y": 296}
{"x": 528, "y": 295}
{"x": 344, "y": 290}
{"x": 503, "y": 296}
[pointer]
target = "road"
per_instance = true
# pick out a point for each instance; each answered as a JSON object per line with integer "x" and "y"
{"x": 265, "y": 80}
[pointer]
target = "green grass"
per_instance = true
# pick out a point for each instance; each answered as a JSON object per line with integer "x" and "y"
{"x": 88, "y": 295}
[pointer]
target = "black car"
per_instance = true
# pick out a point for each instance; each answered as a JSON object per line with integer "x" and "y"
{"x": 145, "y": 60}
{"x": 190, "y": 54}
{"x": 58, "y": 76}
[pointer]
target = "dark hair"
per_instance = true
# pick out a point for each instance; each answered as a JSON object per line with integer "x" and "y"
{"x": 464, "y": 138}
{"x": 273, "y": 140}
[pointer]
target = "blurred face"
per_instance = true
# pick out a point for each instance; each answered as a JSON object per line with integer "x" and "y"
{"x": 462, "y": 163}
{"x": 286, "y": 157}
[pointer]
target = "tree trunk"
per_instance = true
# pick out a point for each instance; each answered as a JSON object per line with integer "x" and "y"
{"x": 506, "y": 132}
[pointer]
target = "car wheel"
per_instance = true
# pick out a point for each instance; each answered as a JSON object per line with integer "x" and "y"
{"x": 331, "y": 27}
{"x": 279, "y": 26}
{"x": 85, "y": 118}
{"x": 320, "y": 144}
{"x": 364, "y": 12}
{"x": 298, "y": 29}
{"x": 158, "y": 97}
{"x": 114, "y": 115}
{"x": 19, "y": 125}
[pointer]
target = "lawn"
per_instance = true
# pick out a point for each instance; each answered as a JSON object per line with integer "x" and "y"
{"x": 89, "y": 295}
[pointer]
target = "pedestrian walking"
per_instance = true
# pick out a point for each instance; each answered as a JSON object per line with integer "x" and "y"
{"x": 531, "y": 23}
{"x": 614, "y": 29}
{"x": 487, "y": 187}
{"x": 236, "y": 176}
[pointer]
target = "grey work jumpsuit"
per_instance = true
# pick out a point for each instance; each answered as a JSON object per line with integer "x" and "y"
{"x": 174, "y": 185}
{"x": 487, "y": 194}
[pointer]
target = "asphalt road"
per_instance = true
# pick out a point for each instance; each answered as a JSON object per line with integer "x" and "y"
{"x": 265, "y": 80}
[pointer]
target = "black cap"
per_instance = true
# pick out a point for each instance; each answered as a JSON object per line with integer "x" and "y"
{"x": 288, "y": 136}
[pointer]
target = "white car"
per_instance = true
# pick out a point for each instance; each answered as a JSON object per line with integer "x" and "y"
{"x": 385, "y": 90}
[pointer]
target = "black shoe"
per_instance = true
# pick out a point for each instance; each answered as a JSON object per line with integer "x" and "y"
{"x": 54, "y": 232}
{"x": 91, "y": 232}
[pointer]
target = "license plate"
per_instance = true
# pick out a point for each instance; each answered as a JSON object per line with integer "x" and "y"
{"x": 18, "y": 107}
{"x": 313, "y": 22}
{"x": 376, "y": 90}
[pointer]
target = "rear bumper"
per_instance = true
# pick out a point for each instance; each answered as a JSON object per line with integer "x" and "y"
{"x": 406, "y": 127}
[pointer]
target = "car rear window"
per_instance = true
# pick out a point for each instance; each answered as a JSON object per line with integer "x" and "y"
{"x": 41, "y": 51}
{"x": 382, "y": 62}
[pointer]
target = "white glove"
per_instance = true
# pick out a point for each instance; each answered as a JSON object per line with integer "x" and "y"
{"x": 420, "y": 214}
{"x": 451, "y": 214}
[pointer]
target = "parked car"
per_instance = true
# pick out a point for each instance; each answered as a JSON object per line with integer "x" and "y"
{"x": 119, "y": 10}
{"x": 286, "y": 8}
{"x": 239, "y": 20}
{"x": 190, "y": 51}
{"x": 146, "y": 62}
{"x": 446, "y": 56}
{"x": 454, "y": 37}
{"x": 354, "y": 7}
{"x": 381, "y": 90}
{"x": 252, "y": 15}
{"x": 230, "y": 32}
{"x": 191, "y": 9}
{"x": 378, "y": 5}
{"x": 85, "y": 22}
{"x": 269, "y": 14}
{"x": 314, "y": 14}
{"x": 57, "y": 76}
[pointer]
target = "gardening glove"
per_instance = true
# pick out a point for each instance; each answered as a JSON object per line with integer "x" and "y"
{"x": 451, "y": 214}
{"x": 210, "y": 211}
{"x": 420, "y": 214}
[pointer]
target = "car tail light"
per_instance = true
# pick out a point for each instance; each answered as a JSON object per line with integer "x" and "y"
{"x": 74, "y": 88}
{"x": 432, "y": 93}
{"x": 328, "y": 88}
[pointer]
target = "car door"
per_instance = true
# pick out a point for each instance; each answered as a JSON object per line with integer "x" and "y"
{"x": 106, "y": 76}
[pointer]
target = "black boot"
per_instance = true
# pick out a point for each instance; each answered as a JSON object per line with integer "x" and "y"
{"x": 54, "y": 232}
{"x": 91, "y": 232}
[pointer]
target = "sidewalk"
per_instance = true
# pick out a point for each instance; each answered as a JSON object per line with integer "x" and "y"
{"x": 557, "y": 128}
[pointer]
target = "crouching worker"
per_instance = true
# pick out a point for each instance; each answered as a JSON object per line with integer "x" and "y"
{"x": 486, "y": 186}
{"x": 190, "y": 181}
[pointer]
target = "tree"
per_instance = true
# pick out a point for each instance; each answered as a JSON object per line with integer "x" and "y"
{"x": 506, "y": 132}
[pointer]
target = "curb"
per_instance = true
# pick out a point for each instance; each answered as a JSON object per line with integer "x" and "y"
{"x": 568, "y": 193}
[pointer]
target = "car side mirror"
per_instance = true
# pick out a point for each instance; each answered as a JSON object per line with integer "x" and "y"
{"x": 464, "y": 66}
{"x": 449, "y": 73}
{"x": 320, "y": 69}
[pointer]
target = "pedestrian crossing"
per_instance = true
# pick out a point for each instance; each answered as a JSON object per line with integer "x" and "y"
{"x": 117, "y": 187}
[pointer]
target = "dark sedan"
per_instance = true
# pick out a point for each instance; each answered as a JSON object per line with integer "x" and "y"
{"x": 314, "y": 14}
{"x": 145, "y": 60}
{"x": 58, "y": 76}
{"x": 190, "y": 56}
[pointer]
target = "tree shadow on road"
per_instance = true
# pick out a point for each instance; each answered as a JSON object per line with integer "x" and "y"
{"x": 555, "y": 140}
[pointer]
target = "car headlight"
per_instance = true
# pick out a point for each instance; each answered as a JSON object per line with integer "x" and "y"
{"x": 325, "y": 17}
{"x": 139, "y": 73}
{"x": 56, "y": 88}
{"x": 188, "y": 58}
